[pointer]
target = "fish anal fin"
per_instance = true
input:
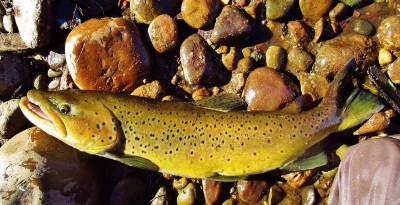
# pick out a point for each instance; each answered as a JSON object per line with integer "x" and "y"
{"x": 308, "y": 162}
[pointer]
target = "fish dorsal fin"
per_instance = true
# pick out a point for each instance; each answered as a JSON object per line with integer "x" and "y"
{"x": 222, "y": 102}
{"x": 133, "y": 161}
{"x": 307, "y": 162}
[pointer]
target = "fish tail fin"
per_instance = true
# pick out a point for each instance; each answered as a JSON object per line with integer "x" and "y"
{"x": 358, "y": 108}
{"x": 354, "y": 106}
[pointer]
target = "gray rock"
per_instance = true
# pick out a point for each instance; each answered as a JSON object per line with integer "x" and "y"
{"x": 34, "y": 25}
{"x": 55, "y": 59}
{"x": 13, "y": 71}
{"x": 39, "y": 169}
{"x": 12, "y": 120}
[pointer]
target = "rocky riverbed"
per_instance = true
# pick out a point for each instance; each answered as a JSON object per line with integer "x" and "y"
{"x": 273, "y": 54}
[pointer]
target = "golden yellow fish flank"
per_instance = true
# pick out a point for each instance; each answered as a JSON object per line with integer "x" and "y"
{"x": 187, "y": 140}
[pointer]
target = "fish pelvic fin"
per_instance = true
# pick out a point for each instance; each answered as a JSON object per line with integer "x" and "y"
{"x": 359, "y": 107}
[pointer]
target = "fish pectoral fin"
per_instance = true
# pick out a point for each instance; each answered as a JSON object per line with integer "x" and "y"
{"x": 308, "y": 162}
{"x": 133, "y": 161}
{"x": 224, "y": 178}
{"x": 222, "y": 102}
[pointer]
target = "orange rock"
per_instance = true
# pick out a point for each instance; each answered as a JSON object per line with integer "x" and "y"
{"x": 107, "y": 54}
{"x": 163, "y": 33}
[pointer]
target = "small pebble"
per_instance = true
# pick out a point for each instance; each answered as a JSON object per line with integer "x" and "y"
{"x": 389, "y": 32}
{"x": 385, "y": 57}
{"x": 160, "y": 198}
{"x": 146, "y": 11}
{"x": 393, "y": 71}
{"x": 153, "y": 90}
{"x": 200, "y": 94}
{"x": 378, "y": 122}
{"x": 276, "y": 57}
{"x": 298, "y": 179}
{"x": 187, "y": 195}
{"x": 54, "y": 84}
{"x": 199, "y": 13}
{"x": 245, "y": 65}
{"x": 252, "y": 191}
{"x": 211, "y": 191}
{"x": 299, "y": 61}
{"x": 353, "y": 2}
{"x": 40, "y": 82}
{"x": 53, "y": 73}
{"x": 163, "y": 33}
{"x": 309, "y": 195}
{"x": 299, "y": 33}
{"x": 12, "y": 120}
{"x": 231, "y": 59}
{"x": 9, "y": 24}
{"x": 275, "y": 194}
{"x": 363, "y": 27}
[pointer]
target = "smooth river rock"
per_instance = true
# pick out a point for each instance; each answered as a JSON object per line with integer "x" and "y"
{"x": 389, "y": 32}
{"x": 336, "y": 53}
{"x": 163, "y": 33}
{"x": 12, "y": 120}
{"x": 107, "y": 54}
{"x": 230, "y": 24}
{"x": 268, "y": 90}
{"x": 198, "y": 61}
{"x": 146, "y": 10}
{"x": 200, "y": 13}
{"x": 38, "y": 169}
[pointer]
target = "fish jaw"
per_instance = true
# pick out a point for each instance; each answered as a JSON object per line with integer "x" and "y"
{"x": 44, "y": 118}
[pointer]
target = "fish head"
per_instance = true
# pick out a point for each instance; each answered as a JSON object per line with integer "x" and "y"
{"x": 78, "y": 118}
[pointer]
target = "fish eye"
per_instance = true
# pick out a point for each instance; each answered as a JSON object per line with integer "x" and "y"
{"x": 64, "y": 108}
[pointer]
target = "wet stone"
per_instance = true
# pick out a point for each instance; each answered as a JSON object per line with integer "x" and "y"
{"x": 163, "y": 33}
{"x": 236, "y": 84}
{"x": 298, "y": 179}
{"x": 393, "y": 71}
{"x": 315, "y": 9}
{"x": 299, "y": 33}
{"x": 31, "y": 172}
{"x": 299, "y": 61}
{"x": 276, "y": 9}
{"x": 108, "y": 55}
{"x": 334, "y": 54}
{"x": 13, "y": 72}
{"x": 146, "y": 11}
{"x": 187, "y": 195}
{"x": 363, "y": 27}
{"x": 200, "y": 13}
{"x": 152, "y": 90}
{"x": 389, "y": 32}
{"x": 211, "y": 191}
{"x": 385, "y": 56}
{"x": 34, "y": 25}
{"x": 231, "y": 59}
{"x": 245, "y": 65}
{"x": 313, "y": 84}
{"x": 378, "y": 122}
{"x": 252, "y": 191}
{"x": 277, "y": 89}
{"x": 230, "y": 24}
{"x": 12, "y": 120}
{"x": 55, "y": 59}
{"x": 353, "y": 2}
{"x": 276, "y": 57}
{"x": 198, "y": 61}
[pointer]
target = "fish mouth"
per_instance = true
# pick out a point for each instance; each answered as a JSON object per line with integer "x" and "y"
{"x": 45, "y": 119}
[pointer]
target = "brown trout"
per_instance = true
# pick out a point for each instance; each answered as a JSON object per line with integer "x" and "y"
{"x": 183, "y": 139}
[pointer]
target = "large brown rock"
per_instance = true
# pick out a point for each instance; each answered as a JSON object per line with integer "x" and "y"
{"x": 107, "y": 54}
{"x": 39, "y": 169}
{"x": 336, "y": 53}
{"x": 267, "y": 89}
